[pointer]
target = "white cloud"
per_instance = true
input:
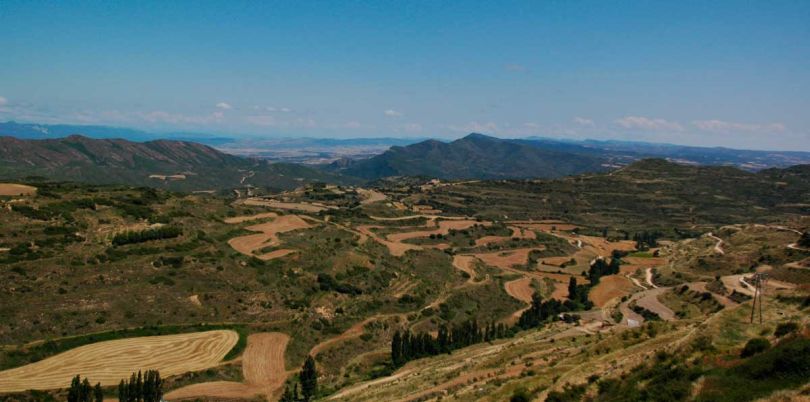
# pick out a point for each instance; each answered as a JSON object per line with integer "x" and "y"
{"x": 392, "y": 113}
{"x": 720, "y": 126}
{"x": 646, "y": 123}
{"x": 224, "y": 106}
{"x": 3, "y": 101}
{"x": 584, "y": 122}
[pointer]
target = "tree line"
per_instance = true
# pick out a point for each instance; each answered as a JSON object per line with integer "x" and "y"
{"x": 143, "y": 387}
{"x": 140, "y": 236}
{"x": 646, "y": 240}
{"x": 407, "y": 346}
{"x": 146, "y": 387}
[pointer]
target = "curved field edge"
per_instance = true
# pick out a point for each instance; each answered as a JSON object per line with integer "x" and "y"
{"x": 12, "y": 358}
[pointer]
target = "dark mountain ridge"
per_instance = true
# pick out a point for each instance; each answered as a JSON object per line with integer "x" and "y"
{"x": 189, "y": 165}
{"x": 475, "y": 156}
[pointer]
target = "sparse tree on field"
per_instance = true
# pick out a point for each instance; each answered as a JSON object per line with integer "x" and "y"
{"x": 98, "y": 393}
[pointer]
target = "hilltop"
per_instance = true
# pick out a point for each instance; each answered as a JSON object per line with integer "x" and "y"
{"x": 179, "y": 165}
{"x": 475, "y": 156}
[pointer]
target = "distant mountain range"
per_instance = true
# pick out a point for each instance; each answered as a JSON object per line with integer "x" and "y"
{"x": 187, "y": 165}
{"x": 178, "y": 165}
{"x": 477, "y": 156}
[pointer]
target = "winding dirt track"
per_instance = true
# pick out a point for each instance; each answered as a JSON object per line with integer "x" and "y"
{"x": 650, "y": 301}
{"x": 718, "y": 247}
{"x": 110, "y": 361}
{"x": 262, "y": 366}
{"x": 465, "y": 263}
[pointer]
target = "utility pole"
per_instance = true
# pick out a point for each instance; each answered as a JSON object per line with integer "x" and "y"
{"x": 759, "y": 280}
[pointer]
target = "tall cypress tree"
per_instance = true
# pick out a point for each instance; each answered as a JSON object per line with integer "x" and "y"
{"x": 396, "y": 349}
{"x": 309, "y": 379}
{"x": 572, "y": 288}
{"x": 74, "y": 390}
{"x": 123, "y": 391}
{"x": 98, "y": 393}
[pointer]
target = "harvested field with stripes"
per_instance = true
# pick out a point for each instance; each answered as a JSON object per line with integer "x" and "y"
{"x": 108, "y": 362}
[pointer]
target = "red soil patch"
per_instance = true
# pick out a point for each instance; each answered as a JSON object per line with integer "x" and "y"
{"x": 443, "y": 229}
{"x": 268, "y": 236}
{"x": 520, "y": 289}
{"x": 609, "y": 287}
{"x": 507, "y": 259}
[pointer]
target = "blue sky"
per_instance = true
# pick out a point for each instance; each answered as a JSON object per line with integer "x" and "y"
{"x": 733, "y": 73}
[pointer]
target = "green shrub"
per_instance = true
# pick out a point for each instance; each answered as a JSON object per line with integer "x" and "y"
{"x": 755, "y": 346}
{"x": 785, "y": 328}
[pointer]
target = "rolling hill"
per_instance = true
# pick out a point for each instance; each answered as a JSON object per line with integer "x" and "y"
{"x": 475, "y": 156}
{"x": 177, "y": 165}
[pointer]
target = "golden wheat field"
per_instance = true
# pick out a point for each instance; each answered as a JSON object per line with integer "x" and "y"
{"x": 110, "y": 361}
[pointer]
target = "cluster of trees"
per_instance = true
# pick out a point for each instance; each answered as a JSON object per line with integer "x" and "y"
{"x": 541, "y": 311}
{"x": 646, "y": 240}
{"x": 406, "y": 346}
{"x": 81, "y": 391}
{"x": 600, "y": 267}
{"x": 308, "y": 378}
{"x": 146, "y": 387}
{"x": 163, "y": 232}
{"x": 328, "y": 283}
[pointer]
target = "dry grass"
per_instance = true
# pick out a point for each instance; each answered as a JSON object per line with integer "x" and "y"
{"x": 297, "y": 206}
{"x": 108, "y": 362}
{"x": 610, "y": 287}
{"x": 240, "y": 219}
{"x": 11, "y": 189}
{"x": 520, "y": 289}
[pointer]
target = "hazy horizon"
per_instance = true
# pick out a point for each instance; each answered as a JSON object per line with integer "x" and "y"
{"x": 725, "y": 74}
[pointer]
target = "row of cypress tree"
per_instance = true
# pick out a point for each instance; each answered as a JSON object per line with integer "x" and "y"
{"x": 140, "y": 236}
{"x": 406, "y": 346}
{"x": 81, "y": 391}
{"x": 146, "y": 387}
